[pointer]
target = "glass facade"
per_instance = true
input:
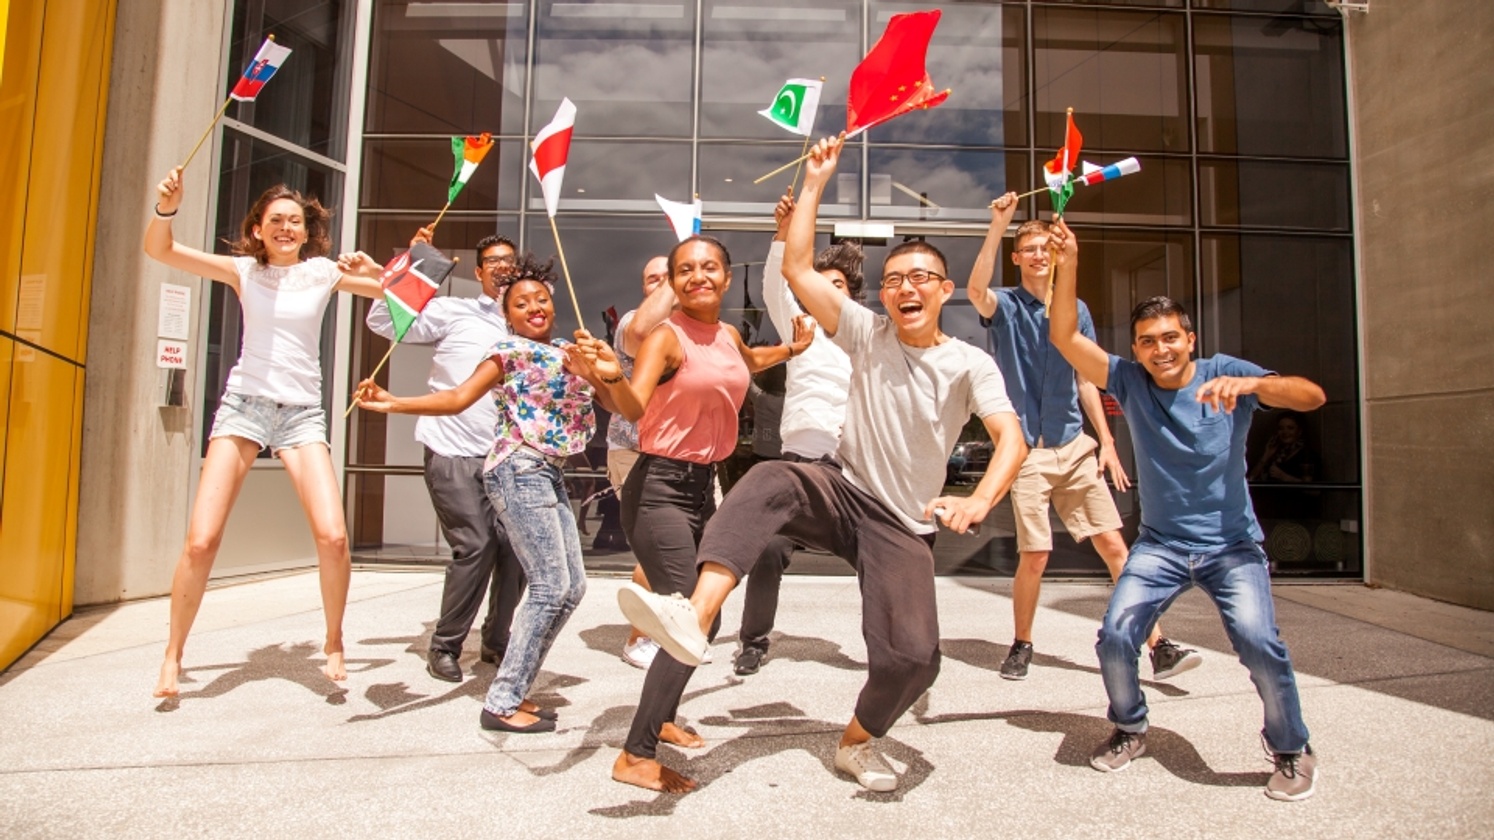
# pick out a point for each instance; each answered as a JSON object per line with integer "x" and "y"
{"x": 1235, "y": 108}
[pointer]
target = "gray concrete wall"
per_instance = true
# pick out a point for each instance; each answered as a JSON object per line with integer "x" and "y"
{"x": 1424, "y": 123}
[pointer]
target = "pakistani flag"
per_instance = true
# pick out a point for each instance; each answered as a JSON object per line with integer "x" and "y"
{"x": 795, "y": 106}
{"x": 410, "y": 281}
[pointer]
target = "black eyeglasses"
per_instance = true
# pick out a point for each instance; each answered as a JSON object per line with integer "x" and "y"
{"x": 498, "y": 260}
{"x": 917, "y": 278}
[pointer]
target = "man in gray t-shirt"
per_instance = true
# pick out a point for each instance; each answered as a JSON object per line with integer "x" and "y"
{"x": 912, "y": 390}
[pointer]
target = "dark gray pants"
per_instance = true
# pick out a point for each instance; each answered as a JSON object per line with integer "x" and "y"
{"x": 479, "y": 553}
{"x": 760, "y": 606}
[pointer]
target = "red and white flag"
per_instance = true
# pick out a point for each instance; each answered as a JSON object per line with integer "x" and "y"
{"x": 551, "y": 147}
{"x": 269, "y": 58}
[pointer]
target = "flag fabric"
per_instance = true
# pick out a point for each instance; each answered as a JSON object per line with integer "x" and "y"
{"x": 795, "y": 106}
{"x": 469, "y": 152}
{"x": 269, "y": 58}
{"x": 1057, "y": 172}
{"x": 1096, "y": 174}
{"x": 551, "y": 147}
{"x": 685, "y": 218}
{"x": 892, "y": 80}
{"x": 410, "y": 280}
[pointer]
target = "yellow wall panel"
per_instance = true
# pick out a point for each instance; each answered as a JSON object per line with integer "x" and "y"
{"x": 40, "y": 474}
{"x": 23, "y": 35}
{"x": 7, "y": 350}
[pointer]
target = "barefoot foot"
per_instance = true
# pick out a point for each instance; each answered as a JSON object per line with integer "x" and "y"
{"x": 671, "y": 734}
{"x": 649, "y": 774}
{"x": 166, "y": 684}
{"x": 335, "y": 669}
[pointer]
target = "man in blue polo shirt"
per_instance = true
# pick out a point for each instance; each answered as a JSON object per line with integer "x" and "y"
{"x": 1189, "y": 419}
{"x": 1064, "y": 466}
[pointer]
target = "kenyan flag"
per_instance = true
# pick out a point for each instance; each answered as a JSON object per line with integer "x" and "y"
{"x": 410, "y": 281}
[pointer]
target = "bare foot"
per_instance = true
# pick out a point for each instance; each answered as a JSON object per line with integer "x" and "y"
{"x": 523, "y": 717}
{"x": 671, "y": 734}
{"x": 335, "y": 669}
{"x": 529, "y": 707}
{"x": 650, "y": 774}
{"x": 166, "y": 684}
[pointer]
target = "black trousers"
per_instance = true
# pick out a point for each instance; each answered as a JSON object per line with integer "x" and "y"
{"x": 813, "y": 504}
{"x": 665, "y": 505}
{"x": 760, "y": 606}
{"x": 480, "y": 553}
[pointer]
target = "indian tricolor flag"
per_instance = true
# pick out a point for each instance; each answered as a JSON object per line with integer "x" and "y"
{"x": 269, "y": 58}
{"x": 1056, "y": 172}
{"x": 410, "y": 281}
{"x": 469, "y": 152}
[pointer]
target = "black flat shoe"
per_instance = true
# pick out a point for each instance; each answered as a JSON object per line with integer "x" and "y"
{"x": 444, "y": 666}
{"x": 546, "y": 714}
{"x": 490, "y": 655}
{"x": 493, "y": 723}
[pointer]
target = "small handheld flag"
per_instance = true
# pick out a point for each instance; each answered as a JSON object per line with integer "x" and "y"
{"x": 269, "y": 58}
{"x": 795, "y": 106}
{"x": 410, "y": 280}
{"x": 892, "y": 79}
{"x": 469, "y": 152}
{"x": 551, "y": 146}
{"x": 1057, "y": 172}
{"x": 1097, "y": 174}
{"x": 685, "y": 218}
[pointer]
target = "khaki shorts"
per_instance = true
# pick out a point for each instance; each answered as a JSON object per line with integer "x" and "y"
{"x": 619, "y": 463}
{"x": 1068, "y": 477}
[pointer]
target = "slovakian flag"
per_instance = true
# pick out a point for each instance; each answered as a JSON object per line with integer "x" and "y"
{"x": 1056, "y": 172}
{"x": 892, "y": 80}
{"x": 1096, "y": 174}
{"x": 269, "y": 58}
{"x": 795, "y": 106}
{"x": 551, "y": 147}
{"x": 410, "y": 280}
{"x": 685, "y": 218}
{"x": 469, "y": 152}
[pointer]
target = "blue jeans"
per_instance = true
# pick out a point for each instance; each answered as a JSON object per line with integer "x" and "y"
{"x": 1238, "y": 581}
{"x": 528, "y": 494}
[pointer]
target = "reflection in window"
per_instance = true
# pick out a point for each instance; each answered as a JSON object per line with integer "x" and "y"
{"x": 611, "y": 175}
{"x": 628, "y": 67}
{"x": 912, "y": 183}
{"x": 1160, "y": 194}
{"x": 454, "y": 68}
{"x": 1122, "y": 72}
{"x": 306, "y": 103}
{"x": 1121, "y": 268}
{"x": 414, "y": 174}
{"x": 727, "y": 172}
{"x": 1250, "y": 193}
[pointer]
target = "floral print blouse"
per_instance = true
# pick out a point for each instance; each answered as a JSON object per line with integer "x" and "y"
{"x": 539, "y": 404}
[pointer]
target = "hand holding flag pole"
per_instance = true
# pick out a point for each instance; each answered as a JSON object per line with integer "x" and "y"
{"x": 409, "y": 281}
{"x": 551, "y": 146}
{"x": 269, "y": 58}
{"x": 1058, "y": 175}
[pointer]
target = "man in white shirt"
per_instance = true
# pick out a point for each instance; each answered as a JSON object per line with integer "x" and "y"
{"x": 462, "y": 332}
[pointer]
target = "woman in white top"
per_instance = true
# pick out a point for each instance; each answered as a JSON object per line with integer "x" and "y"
{"x": 273, "y": 397}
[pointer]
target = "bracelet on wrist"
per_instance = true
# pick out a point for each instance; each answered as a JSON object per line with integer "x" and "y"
{"x": 165, "y": 217}
{"x": 612, "y": 381}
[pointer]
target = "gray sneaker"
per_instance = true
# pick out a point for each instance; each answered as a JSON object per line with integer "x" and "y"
{"x": 1295, "y": 777}
{"x": 1116, "y": 752}
{"x": 1017, "y": 660}
{"x": 1169, "y": 660}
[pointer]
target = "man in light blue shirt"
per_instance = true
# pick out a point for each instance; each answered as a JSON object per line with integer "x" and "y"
{"x": 462, "y": 332}
{"x": 1189, "y": 419}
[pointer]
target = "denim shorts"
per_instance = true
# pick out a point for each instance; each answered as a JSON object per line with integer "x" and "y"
{"x": 269, "y": 423}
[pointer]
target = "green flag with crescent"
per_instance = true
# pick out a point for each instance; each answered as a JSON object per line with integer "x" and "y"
{"x": 795, "y": 106}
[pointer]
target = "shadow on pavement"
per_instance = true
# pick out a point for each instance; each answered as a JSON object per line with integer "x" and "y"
{"x": 299, "y": 663}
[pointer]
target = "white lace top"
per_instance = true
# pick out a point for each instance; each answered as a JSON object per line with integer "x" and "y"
{"x": 283, "y": 306}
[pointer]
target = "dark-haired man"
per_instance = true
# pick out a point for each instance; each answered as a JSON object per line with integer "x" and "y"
{"x": 1189, "y": 419}
{"x": 1064, "y": 466}
{"x": 462, "y": 331}
{"x": 912, "y": 389}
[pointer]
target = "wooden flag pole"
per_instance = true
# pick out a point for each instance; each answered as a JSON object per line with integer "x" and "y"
{"x": 580, "y": 322}
{"x": 798, "y": 160}
{"x": 204, "y": 137}
{"x": 803, "y": 154}
{"x": 440, "y": 215}
{"x": 377, "y": 368}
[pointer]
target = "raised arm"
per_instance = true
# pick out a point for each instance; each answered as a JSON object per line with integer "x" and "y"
{"x": 162, "y": 247}
{"x": 819, "y": 296}
{"x": 777, "y": 299}
{"x": 660, "y": 354}
{"x": 1293, "y": 392}
{"x": 651, "y": 313}
{"x": 451, "y": 401}
{"x": 979, "y": 287}
{"x": 761, "y": 358}
{"x": 1088, "y": 358}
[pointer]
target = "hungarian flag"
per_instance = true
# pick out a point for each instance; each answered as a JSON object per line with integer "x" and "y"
{"x": 551, "y": 147}
{"x": 795, "y": 106}
{"x": 1096, "y": 174}
{"x": 1056, "y": 172}
{"x": 410, "y": 280}
{"x": 269, "y": 58}
{"x": 891, "y": 80}
{"x": 469, "y": 152}
{"x": 685, "y": 218}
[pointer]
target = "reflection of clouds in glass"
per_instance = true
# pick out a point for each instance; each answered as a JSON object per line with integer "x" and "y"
{"x": 591, "y": 69}
{"x": 953, "y": 180}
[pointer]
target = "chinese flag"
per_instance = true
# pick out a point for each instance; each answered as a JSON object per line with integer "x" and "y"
{"x": 892, "y": 80}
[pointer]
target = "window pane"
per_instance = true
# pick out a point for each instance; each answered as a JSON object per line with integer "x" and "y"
{"x": 938, "y": 184}
{"x": 1270, "y": 86}
{"x": 447, "y": 67}
{"x": 728, "y": 170}
{"x": 383, "y": 235}
{"x": 1287, "y": 304}
{"x": 307, "y": 100}
{"x": 1118, "y": 270}
{"x": 976, "y": 52}
{"x": 1160, "y": 194}
{"x": 1122, "y": 72}
{"x": 1308, "y": 531}
{"x": 627, "y": 66}
{"x": 414, "y": 174}
{"x": 1251, "y": 192}
{"x": 749, "y": 49}
{"x": 612, "y": 175}
{"x": 1291, "y": 7}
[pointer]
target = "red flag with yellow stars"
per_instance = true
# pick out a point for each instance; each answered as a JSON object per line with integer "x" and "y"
{"x": 892, "y": 80}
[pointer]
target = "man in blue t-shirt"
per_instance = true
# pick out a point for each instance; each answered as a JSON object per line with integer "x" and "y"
{"x": 1188, "y": 420}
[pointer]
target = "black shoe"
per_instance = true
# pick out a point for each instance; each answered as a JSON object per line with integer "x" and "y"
{"x": 1017, "y": 660}
{"x": 491, "y": 656}
{"x": 1169, "y": 660}
{"x": 749, "y": 661}
{"x": 443, "y": 666}
{"x": 493, "y": 723}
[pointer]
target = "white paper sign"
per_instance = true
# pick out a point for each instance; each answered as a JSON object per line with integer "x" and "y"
{"x": 175, "y": 315}
{"x": 171, "y": 354}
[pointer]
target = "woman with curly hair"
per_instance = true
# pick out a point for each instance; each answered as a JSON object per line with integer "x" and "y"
{"x": 273, "y": 396}
{"x": 543, "y": 389}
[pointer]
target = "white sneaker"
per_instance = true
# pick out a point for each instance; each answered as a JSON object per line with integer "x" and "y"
{"x": 640, "y": 652}
{"x": 706, "y": 658}
{"x": 671, "y": 622}
{"x": 862, "y": 763}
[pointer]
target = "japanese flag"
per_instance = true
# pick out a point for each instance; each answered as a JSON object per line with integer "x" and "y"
{"x": 551, "y": 146}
